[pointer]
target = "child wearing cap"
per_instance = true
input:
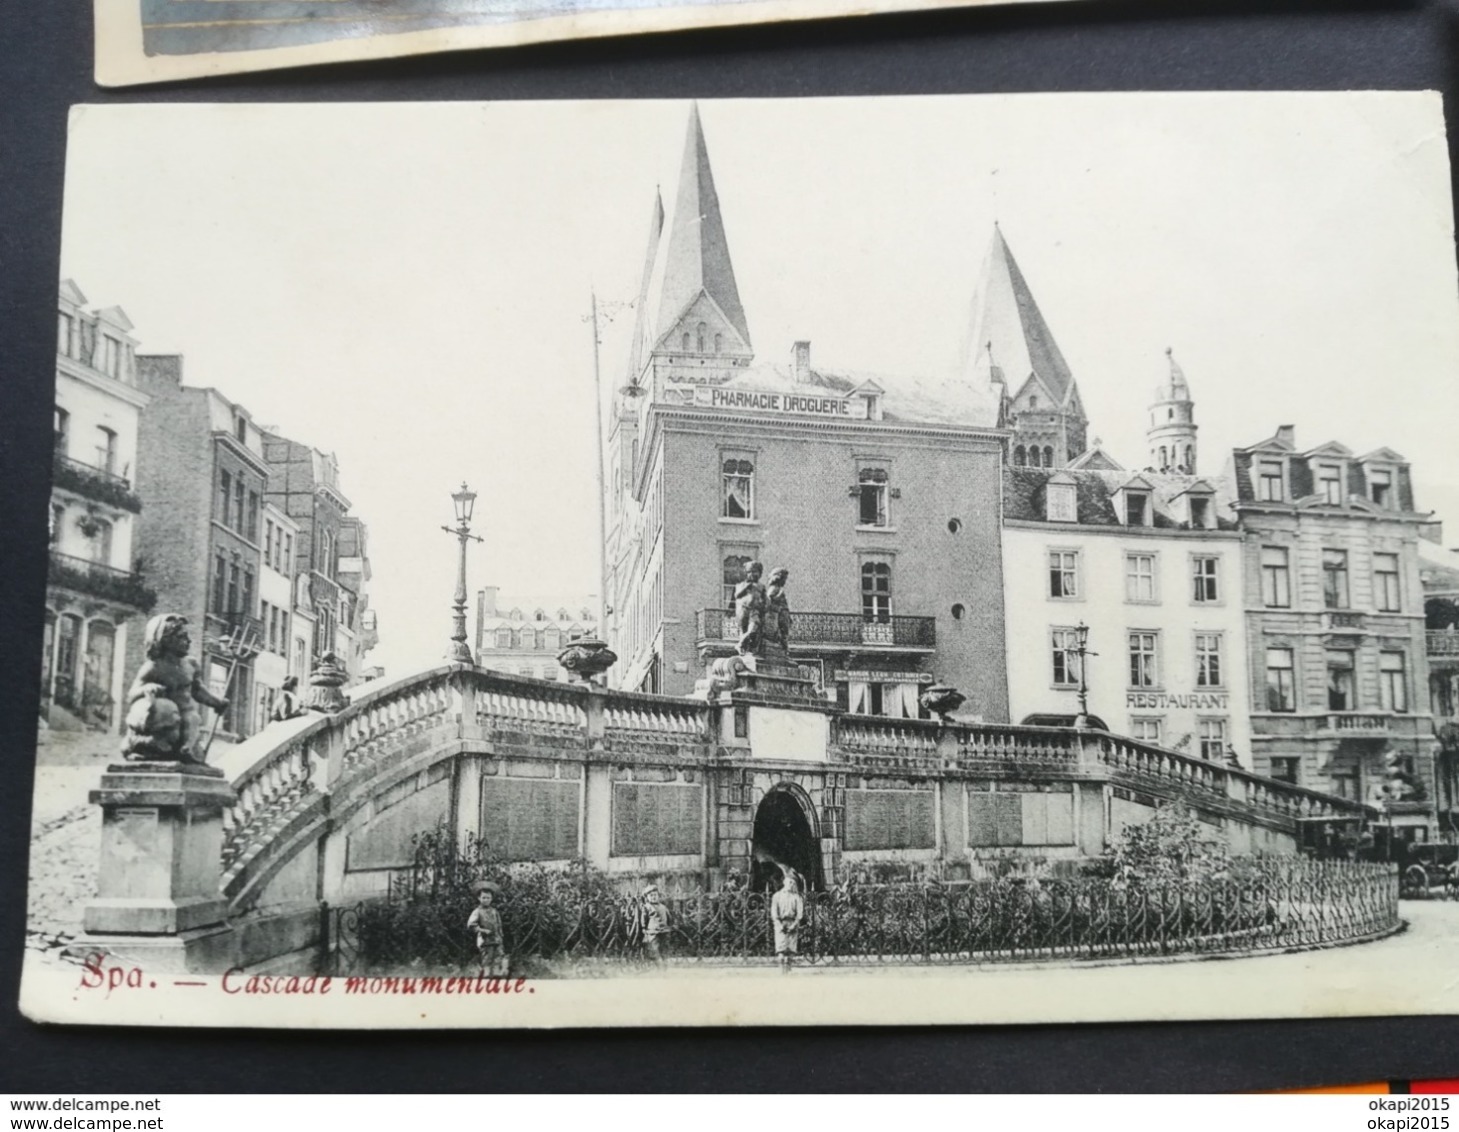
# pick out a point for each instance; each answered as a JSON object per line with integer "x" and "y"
{"x": 486, "y": 922}
{"x": 655, "y": 923}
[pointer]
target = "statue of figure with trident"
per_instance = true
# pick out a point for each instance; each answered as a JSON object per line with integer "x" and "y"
{"x": 163, "y": 721}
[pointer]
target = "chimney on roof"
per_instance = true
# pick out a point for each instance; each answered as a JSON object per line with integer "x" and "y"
{"x": 1287, "y": 434}
{"x": 800, "y": 363}
{"x": 487, "y": 601}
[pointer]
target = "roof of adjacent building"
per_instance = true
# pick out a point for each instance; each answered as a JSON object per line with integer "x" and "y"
{"x": 1008, "y": 330}
{"x": 1025, "y": 496}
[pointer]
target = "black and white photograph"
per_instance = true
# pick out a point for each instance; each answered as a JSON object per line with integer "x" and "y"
{"x": 970, "y": 559}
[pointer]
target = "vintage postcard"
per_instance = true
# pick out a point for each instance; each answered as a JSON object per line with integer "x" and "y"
{"x": 860, "y": 561}
{"x": 148, "y": 41}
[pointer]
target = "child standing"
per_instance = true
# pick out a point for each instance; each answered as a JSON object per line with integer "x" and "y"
{"x": 655, "y": 923}
{"x": 486, "y": 922}
{"x": 787, "y": 910}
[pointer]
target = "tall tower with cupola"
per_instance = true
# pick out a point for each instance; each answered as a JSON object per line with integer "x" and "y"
{"x": 1172, "y": 431}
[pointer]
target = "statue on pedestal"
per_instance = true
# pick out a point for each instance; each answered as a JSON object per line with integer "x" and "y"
{"x": 750, "y": 610}
{"x": 163, "y": 721}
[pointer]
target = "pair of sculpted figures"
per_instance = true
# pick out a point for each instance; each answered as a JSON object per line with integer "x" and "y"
{"x": 763, "y": 612}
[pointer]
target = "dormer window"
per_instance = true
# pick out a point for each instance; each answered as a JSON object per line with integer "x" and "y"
{"x": 1061, "y": 502}
{"x": 1202, "y": 513}
{"x": 1269, "y": 488}
{"x": 1137, "y": 508}
{"x": 1329, "y": 483}
{"x": 1380, "y": 487}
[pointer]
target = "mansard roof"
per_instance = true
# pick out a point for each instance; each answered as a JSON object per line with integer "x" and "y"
{"x": 1024, "y": 496}
{"x": 692, "y": 251}
{"x": 1009, "y": 329}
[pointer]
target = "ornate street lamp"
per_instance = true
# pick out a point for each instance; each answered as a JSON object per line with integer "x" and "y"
{"x": 465, "y": 501}
{"x": 1081, "y": 650}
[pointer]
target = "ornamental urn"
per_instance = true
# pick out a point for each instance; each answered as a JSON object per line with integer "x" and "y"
{"x": 587, "y": 657}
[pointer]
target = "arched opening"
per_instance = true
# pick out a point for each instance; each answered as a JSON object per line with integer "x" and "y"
{"x": 783, "y": 837}
{"x": 1020, "y": 456}
{"x": 1048, "y": 456}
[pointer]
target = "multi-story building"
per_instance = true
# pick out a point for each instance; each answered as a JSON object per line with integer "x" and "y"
{"x": 94, "y": 593}
{"x": 879, "y": 494}
{"x": 1150, "y": 565}
{"x": 1439, "y": 572}
{"x": 522, "y": 636}
{"x": 329, "y": 552}
{"x": 1335, "y": 623}
{"x": 277, "y": 657}
{"x": 202, "y": 481}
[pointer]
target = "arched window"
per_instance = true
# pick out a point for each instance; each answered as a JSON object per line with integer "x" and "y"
{"x": 1190, "y": 459}
{"x": 1048, "y": 456}
{"x": 1033, "y": 400}
{"x": 1020, "y": 456}
{"x": 700, "y": 332}
{"x": 1164, "y": 460}
{"x": 719, "y": 343}
{"x": 686, "y": 341}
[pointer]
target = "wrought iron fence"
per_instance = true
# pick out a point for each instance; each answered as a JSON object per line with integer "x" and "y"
{"x": 1259, "y": 904}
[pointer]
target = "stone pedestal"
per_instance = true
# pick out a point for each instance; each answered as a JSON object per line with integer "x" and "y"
{"x": 161, "y": 852}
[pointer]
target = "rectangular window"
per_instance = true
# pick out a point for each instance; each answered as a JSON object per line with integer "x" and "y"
{"x": 251, "y": 531}
{"x": 1201, "y": 512}
{"x": 225, "y": 496}
{"x": 1284, "y": 768}
{"x": 1147, "y": 730}
{"x": 1208, "y": 660}
{"x": 1212, "y": 733}
{"x": 1269, "y": 481}
{"x": 1144, "y": 660}
{"x": 1062, "y": 505}
{"x": 1385, "y": 583}
{"x": 1329, "y": 483}
{"x": 1137, "y": 509}
{"x": 220, "y": 585}
{"x": 1380, "y": 486}
{"x": 63, "y": 334}
{"x": 876, "y": 591}
{"x": 62, "y": 423}
{"x": 1276, "y": 583}
{"x": 872, "y": 487}
{"x": 233, "y": 580}
{"x": 106, "y": 449}
{"x": 1205, "y": 576}
{"x": 286, "y": 566}
{"x": 247, "y": 591}
{"x": 111, "y": 356}
{"x": 1065, "y": 650}
{"x": 1281, "y": 684}
{"x": 238, "y": 490}
{"x": 1392, "y": 682}
{"x": 734, "y": 573}
{"x": 268, "y": 544}
{"x": 1335, "y": 579}
{"x": 1340, "y": 689}
{"x": 1139, "y": 577}
{"x": 738, "y": 488}
{"x": 1063, "y": 573}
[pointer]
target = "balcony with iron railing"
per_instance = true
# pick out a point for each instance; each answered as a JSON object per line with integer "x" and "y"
{"x": 98, "y": 580}
{"x": 242, "y": 628}
{"x": 99, "y": 484}
{"x": 828, "y": 631}
{"x": 1443, "y": 645}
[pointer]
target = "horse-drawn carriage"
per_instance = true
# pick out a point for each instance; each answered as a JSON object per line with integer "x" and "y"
{"x": 1426, "y": 869}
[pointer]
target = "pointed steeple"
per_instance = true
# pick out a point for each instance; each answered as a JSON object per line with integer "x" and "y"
{"x": 1007, "y": 320}
{"x": 694, "y": 258}
{"x": 641, "y": 345}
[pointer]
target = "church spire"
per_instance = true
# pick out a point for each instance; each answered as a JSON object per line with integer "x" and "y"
{"x": 1045, "y": 411}
{"x": 640, "y": 344}
{"x": 692, "y": 293}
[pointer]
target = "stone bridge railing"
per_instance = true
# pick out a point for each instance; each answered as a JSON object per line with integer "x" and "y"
{"x": 294, "y": 776}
